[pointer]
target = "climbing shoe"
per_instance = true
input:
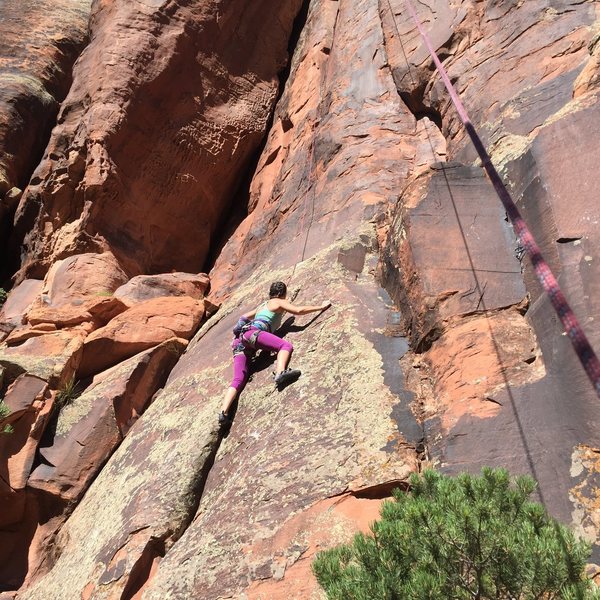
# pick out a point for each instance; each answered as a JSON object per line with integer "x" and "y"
{"x": 223, "y": 419}
{"x": 286, "y": 377}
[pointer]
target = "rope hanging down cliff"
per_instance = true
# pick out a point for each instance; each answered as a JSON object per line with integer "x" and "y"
{"x": 579, "y": 340}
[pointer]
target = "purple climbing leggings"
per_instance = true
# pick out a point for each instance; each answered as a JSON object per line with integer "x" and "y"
{"x": 241, "y": 361}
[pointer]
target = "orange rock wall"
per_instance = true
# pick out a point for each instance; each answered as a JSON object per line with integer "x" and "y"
{"x": 130, "y": 489}
{"x": 168, "y": 104}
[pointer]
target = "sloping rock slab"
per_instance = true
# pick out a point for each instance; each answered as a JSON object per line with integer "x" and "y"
{"x": 330, "y": 433}
{"x": 138, "y": 328}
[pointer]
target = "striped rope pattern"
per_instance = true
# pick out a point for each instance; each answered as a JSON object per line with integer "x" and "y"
{"x": 579, "y": 340}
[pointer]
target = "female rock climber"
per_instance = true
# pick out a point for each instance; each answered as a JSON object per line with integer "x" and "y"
{"x": 253, "y": 332}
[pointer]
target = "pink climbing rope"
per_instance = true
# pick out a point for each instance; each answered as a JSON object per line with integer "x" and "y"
{"x": 580, "y": 342}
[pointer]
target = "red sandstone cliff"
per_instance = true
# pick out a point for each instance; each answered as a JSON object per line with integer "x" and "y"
{"x": 127, "y": 489}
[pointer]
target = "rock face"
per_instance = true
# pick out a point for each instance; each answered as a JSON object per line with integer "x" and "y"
{"x": 66, "y": 329}
{"x": 39, "y": 42}
{"x": 102, "y": 183}
{"x": 365, "y": 180}
{"x": 528, "y": 384}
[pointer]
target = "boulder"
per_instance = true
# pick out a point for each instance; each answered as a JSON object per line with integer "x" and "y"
{"x": 54, "y": 356}
{"x": 80, "y": 289}
{"x": 144, "y": 325}
{"x": 17, "y": 304}
{"x": 146, "y": 287}
{"x": 91, "y": 426}
{"x": 21, "y": 334}
{"x": 96, "y": 312}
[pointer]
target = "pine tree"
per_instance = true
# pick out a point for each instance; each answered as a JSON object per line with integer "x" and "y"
{"x": 464, "y": 537}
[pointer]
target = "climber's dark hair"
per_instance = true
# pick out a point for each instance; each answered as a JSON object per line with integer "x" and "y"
{"x": 278, "y": 290}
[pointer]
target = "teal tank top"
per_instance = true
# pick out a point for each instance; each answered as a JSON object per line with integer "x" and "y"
{"x": 263, "y": 314}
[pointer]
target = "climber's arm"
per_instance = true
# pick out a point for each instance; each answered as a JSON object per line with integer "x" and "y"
{"x": 302, "y": 310}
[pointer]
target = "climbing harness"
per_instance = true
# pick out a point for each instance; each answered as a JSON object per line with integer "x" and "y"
{"x": 579, "y": 340}
{"x": 241, "y": 342}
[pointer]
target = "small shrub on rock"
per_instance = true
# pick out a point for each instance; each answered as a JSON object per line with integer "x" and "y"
{"x": 70, "y": 391}
{"x": 471, "y": 538}
{"x": 5, "y": 412}
{"x": 3, "y": 296}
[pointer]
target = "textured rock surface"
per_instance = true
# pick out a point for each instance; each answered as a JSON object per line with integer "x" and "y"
{"x": 145, "y": 287}
{"x": 518, "y": 69}
{"x": 87, "y": 431}
{"x": 53, "y": 357}
{"x": 138, "y": 328}
{"x": 14, "y": 309}
{"x": 340, "y": 431}
{"x": 39, "y": 42}
{"x": 159, "y": 88}
{"x": 90, "y": 427}
{"x": 31, "y": 405}
{"x": 29, "y": 412}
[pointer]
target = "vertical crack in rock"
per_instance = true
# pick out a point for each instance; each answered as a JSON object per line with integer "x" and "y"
{"x": 238, "y": 209}
{"x": 143, "y": 571}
